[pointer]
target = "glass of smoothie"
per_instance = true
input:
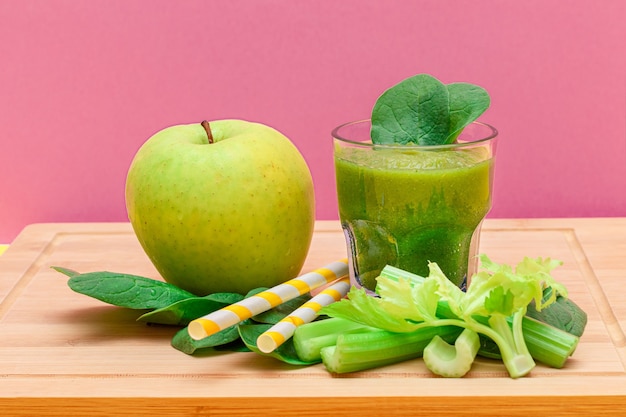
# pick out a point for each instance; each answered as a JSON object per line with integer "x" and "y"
{"x": 406, "y": 205}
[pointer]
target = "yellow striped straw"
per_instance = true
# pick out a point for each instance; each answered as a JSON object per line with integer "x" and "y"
{"x": 284, "y": 329}
{"x": 235, "y": 313}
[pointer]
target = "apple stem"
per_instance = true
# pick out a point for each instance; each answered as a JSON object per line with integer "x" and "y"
{"x": 207, "y": 129}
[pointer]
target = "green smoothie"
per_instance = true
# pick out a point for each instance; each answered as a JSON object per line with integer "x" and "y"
{"x": 407, "y": 207}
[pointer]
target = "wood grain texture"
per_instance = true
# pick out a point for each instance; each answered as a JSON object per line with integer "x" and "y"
{"x": 62, "y": 353}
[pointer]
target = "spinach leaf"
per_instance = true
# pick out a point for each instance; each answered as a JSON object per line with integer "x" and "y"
{"x": 467, "y": 103}
{"x": 184, "y": 311}
{"x": 255, "y": 291}
{"x": 226, "y": 339}
{"x": 125, "y": 290}
{"x": 286, "y": 352}
{"x": 563, "y": 314}
{"x": 413, "y": 111}
{"x": 423, "y": 111}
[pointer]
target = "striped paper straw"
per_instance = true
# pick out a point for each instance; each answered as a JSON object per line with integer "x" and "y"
{"x": 235, "y": 313}
{"x": 284, "y": 329}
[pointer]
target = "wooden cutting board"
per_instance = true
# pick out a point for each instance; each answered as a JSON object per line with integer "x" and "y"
{"x": 62, "y": 353}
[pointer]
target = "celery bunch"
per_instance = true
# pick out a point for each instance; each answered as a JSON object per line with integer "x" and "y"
{"x": 347, "y": 346}
{"x": 433, "y": 311}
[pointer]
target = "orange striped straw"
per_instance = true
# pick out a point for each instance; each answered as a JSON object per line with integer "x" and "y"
{"x": 235, "y": 313}
{"x": 284, "y": 329}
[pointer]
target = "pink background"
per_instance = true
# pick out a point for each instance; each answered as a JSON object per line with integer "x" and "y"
{"x": 84, "y": 83}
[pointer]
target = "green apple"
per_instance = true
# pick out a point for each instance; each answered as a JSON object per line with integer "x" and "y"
{"x": 225, "y": 206}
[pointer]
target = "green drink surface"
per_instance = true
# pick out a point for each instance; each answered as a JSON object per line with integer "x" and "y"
{"x": 408, "y": 207}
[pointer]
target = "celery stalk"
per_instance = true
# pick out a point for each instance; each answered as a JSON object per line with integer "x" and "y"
{"x": 370, "y": 348}
{"x": 310, "y": 338}
{"x": 452, "y": 361}
{"x": 547, "y": 344}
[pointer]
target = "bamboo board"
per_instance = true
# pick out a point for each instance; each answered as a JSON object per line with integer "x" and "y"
{"x": 63, "y": 353}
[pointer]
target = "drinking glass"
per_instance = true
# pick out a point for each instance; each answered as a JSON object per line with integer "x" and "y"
{"x": 408, "y": 205}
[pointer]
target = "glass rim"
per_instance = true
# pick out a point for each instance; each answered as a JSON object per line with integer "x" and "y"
{"x": 335, "y": 134}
